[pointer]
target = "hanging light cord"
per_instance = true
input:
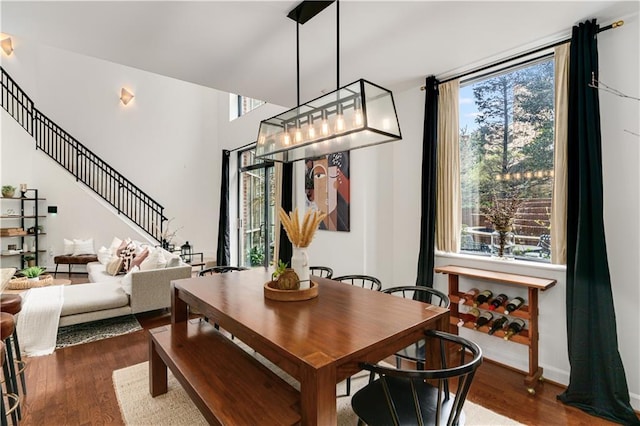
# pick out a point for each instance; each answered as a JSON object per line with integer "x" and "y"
{"x": 337, "y": 44}
{"x": 298, "y": 59}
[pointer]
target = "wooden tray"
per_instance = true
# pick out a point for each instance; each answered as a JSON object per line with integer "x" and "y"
{"x": 290, "y": 295}
{"x": 22, "y": 283}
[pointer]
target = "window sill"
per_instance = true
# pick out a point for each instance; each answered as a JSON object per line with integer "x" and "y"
{"x": 506, "y": 265}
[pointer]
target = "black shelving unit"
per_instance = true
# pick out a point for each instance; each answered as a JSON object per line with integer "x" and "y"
{"x": 30, "y": 217}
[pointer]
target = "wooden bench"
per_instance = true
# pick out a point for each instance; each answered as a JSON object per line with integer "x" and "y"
{"x": 82, "y": 259}
{"x": 228, "y": 385}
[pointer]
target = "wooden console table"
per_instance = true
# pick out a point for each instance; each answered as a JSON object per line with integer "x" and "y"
{"x": 529, "y": 311}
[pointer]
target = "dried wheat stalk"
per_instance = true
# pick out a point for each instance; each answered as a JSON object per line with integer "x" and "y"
{"x": 300, "y": 233}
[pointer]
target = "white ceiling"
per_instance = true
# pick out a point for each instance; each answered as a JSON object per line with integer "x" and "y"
{"x": 249, "y": 47}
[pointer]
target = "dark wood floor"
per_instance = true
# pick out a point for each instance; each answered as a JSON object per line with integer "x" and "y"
{"x": 73, "y": 386}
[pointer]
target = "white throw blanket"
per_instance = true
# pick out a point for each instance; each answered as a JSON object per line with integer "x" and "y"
{"x": 38, "y": 320}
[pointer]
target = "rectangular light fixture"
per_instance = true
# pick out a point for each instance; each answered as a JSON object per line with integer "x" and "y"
{"x": 355, "y": 116}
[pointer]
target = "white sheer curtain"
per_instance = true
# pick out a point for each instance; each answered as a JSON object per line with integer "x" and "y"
{"x": 559, "y": 199}
{"x": 448, "y": 196}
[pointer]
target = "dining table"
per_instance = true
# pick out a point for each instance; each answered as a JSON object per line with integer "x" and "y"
{"x": 320, "y": 341}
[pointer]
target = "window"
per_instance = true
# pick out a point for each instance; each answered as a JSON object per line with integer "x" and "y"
{"x": 257, "y": 208}
{"x": 240, "y": 105}
{"x": 506, "y": 151}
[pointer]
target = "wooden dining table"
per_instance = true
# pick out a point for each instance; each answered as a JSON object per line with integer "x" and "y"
{"x": 319, "y": 341}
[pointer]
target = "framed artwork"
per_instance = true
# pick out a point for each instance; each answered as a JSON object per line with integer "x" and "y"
{"x": 327, "y": 189}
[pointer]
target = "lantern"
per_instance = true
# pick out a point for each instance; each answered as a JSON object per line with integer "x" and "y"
{"x": 185, "y": 252}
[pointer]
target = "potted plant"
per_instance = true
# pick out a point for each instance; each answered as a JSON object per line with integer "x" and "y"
{"x": 8, "y": 191}
{"x": 32, "y": 273}
{"x": 285, "y": 278}
{"x": 31, "y": 260}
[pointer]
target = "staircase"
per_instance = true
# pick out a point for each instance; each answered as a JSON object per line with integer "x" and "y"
{"x": 128, "y": 200}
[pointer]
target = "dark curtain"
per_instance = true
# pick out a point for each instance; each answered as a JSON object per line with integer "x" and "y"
{"x": 223, "y": 254}
{"x": 428, "y": 195}
{"x": 597, "y": 380}
{"x": 286, "y": 249}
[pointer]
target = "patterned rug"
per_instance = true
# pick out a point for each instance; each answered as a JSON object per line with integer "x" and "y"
{"x": 97, "y": 330}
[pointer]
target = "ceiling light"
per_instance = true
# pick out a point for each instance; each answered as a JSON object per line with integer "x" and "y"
{"x": 7, "y": 46}
{"x": 125, "y": 96}
{"x": 354, "y": 116}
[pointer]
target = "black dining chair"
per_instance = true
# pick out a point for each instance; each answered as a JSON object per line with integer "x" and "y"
{"x": 364, "y": 281}
{"x": 410, "y": 397}
{"x": 321, "y": 271}
{"x": 415, "y": 352}
{"x": 220, "y": 270}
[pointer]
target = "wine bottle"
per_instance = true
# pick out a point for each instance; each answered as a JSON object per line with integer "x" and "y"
{"x": 498, "y": 325}
{"x": 498, "y": 301}
{"x": 513, "y": 304}
{"x": 483, "y": 319}
{"x": 469, "y": 295}
{"x": 483, "y": 297}
{"x": 514, "y": 327}
{"x": 470, "y": 316}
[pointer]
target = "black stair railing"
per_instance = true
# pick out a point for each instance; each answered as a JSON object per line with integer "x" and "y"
{"x": 81, "y": 162}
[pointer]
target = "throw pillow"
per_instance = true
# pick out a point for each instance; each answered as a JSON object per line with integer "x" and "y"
{"x": 83, "y": 247}
{"x": 139, "y": 258}
{"x": 114, "y": 266}
{"x": 104, "y": 255}
{"x": 127, "y": 256}
{"x": 155, "y": 260}
{"x": 68, "y": 246}
{"x": 127, "y": 280}
{"x": 115, "y": 243}
{"x": 123, "y": 245}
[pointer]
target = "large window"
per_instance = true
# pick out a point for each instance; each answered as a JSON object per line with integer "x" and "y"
{"x": 240, "y": 105}
{"x": 257, "y": 208}
{"x": 506, "y": 152}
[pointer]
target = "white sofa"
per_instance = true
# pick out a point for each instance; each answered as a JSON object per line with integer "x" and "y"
{"x": 105, "y": 297}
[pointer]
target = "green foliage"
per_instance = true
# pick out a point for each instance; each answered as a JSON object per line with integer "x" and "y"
{"x": 32, "y": 271}
{"x": 282, "y": 266}
{"x": 256, "y": 256}
{"x": 514, "y": 138}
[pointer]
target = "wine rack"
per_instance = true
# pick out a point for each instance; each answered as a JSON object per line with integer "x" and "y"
{"x": 528, "y": 336}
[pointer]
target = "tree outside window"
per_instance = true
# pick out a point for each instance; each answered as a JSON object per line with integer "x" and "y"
{"x": 506, "y": 147}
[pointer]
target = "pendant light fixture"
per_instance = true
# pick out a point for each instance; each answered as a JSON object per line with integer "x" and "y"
{"x": 354, "y": 116}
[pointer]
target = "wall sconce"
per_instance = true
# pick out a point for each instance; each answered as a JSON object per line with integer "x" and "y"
{"x": 7, "y": 46}
{"x": 125, "y": 96}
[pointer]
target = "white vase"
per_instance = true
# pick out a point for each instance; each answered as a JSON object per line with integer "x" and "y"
{"x": 300, "y": 264}
{"x": 33, "y": 279}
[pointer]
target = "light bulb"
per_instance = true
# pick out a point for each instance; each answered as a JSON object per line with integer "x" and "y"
{"x": 298, "y": 137}
{"x": 312, "y": 132}
{"x": 386, "y": 124}
{"x": 339, "y": 120}
{"x": 286, "y": 138}
{"x": 324, "y": 124}
{"x": 358, "y": 119}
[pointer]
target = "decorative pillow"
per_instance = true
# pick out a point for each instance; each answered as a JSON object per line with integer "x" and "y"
{"x": 104, "y": 255}
{"x": 155, "y": 260}
{"x": 114, "y": 266}
{"x": 115, "y": 243}
{"x": 83, "y": 247}
{"x": 68, "y": 246}
{"x": 139, "y": 258}
{"x": 173, "y": 260}
{"x": 127, "y": 280}
{"x": 127, "y": 256}
{"x": 123, "y": 245}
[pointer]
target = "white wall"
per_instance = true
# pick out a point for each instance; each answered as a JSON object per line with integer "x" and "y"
{"x": 165, "y": 142}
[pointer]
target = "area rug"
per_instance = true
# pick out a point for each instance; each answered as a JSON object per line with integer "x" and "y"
{"x": 96, "y": 330}
{"x": 175, "y": 408}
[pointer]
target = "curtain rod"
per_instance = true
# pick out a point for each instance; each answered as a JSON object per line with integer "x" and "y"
{"x": 522, "y": 55}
